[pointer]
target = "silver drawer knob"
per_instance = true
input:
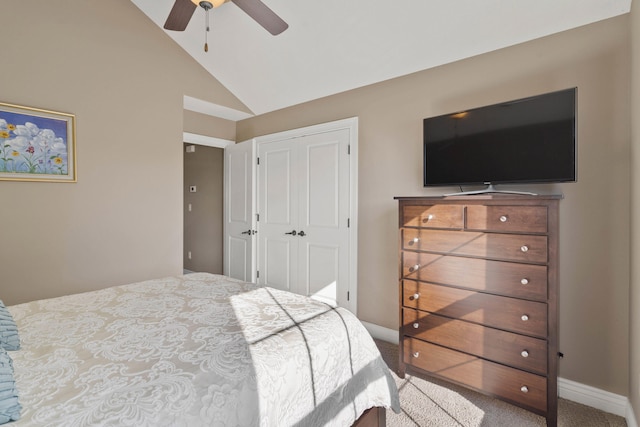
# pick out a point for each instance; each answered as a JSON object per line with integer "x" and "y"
{"x": 524, "y": 389}
{"x": 416, "y": 354}
{"x": 524, "y": 317}
{"x": 414, "y": 268}
{"x": 428, "y": 218}
{"x": 524, "y": 281}
{"x": 413, "y": 241}
{"x": 503, "y": 218}
{"x": 524, "y": 248}
{"x": 524, "y": 353}
{"x": 416, "y": 325}
{"x": 415, "y": 296}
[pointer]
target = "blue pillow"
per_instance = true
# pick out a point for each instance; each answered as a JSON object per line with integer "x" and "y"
{"x": 9, "y": 339}
{"x": 9, "y": 406}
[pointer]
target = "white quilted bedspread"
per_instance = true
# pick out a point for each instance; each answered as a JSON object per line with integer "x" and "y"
{"x": 197, "y": 350}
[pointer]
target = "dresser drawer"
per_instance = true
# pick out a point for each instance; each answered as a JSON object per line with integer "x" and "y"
{"x": 433, "y": 216}
{"x": 511, "y": 384}
{"x": 486, "y": 309}
{"x": 525, "y": 219}
{"x": 499, "y": 346}
{"x": 499, "y": 277}
{"x": 508, "y": 247}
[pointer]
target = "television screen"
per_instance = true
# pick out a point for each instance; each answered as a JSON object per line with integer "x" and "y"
{"x": 529, "y": 140}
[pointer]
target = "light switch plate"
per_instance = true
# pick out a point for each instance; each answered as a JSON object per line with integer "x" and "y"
{"x": 192, "y": 189}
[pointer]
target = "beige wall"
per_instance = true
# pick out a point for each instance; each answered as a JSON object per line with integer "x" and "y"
{"x": 108, "y": 64}
{"x": 635, "y": 212}
{"x": 203, "y": 225}
{"x": 594, "y": 263}
{"x": 203, "y": 124}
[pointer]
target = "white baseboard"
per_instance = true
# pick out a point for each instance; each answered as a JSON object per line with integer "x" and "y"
{"x": 382, "y": 333}
{"x": 586, "y": 395}
{"x": 616, "y": 404}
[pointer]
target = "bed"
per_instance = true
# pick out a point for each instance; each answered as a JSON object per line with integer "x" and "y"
{"x": 195, "y": 350}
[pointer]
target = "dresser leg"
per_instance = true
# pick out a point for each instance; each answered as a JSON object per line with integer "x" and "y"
{"x": 401, "y": 370}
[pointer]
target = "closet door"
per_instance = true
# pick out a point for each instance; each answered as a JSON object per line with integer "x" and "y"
{"x": 323, "y": 215}
{"x": 303, "y": 202}
{"x": 278, "y": 215}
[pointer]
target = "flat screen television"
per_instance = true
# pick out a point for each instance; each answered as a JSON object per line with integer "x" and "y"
{"x": 529, "y": 140}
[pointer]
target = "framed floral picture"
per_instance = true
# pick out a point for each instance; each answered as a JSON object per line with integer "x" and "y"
{"x": 36, "y": 145}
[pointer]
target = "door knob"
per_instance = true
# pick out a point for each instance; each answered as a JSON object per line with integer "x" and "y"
{"x": 301, "y": 234}
{"x": 293, "y": 233}
{"x": 246, "y": 232}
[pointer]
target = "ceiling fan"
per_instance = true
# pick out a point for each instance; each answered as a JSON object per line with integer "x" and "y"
{"x": 183, "y": 10}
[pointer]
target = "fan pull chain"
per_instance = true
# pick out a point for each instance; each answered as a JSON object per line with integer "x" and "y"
{"x": 206, "y": 45}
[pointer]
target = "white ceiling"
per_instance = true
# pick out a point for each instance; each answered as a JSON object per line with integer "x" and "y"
{"x": 336, "y": 45}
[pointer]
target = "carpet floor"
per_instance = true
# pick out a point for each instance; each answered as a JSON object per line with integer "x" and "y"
{"x": 429, "y": 402}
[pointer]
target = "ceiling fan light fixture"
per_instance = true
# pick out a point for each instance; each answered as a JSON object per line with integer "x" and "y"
{"x": 208, "y": 4}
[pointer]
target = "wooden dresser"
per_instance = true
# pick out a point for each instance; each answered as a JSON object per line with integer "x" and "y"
{"x": 479, "y": 294}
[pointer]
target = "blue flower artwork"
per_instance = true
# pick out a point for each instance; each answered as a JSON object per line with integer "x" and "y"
{"x": 36, "y": 144}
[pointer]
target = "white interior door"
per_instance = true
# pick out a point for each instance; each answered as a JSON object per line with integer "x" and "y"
{"x": 278, "y": 214}
{"x": 304, "y": 207}
{"x": 239, "y": 208}
{"x": 323, "y": 216}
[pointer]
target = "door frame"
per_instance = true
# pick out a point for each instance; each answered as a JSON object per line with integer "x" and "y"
{"x": 350, "y": 124}
{"x": 207, "y": 141}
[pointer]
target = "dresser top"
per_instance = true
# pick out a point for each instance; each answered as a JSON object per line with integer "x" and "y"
{"x": 482, "y": 197}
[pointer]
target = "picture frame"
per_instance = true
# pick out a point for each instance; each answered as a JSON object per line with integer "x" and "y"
{"x": 36, "y": 144}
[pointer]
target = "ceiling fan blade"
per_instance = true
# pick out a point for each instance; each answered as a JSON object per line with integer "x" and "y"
{"x": 180, "y": 14}
{"x": 264, "y": 16}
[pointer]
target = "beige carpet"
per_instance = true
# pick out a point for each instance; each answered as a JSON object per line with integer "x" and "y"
{"x": 430, "y": 402}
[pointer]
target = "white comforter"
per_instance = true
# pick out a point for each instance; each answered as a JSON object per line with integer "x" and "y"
{"x": 195, "y": 350}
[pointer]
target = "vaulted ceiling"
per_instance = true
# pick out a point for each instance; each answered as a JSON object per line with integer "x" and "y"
{"x": 333, "y": 46}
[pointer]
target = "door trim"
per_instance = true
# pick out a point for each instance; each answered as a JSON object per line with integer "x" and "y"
{"x": 209, "y": 141}
{"x": 351, "y": 124}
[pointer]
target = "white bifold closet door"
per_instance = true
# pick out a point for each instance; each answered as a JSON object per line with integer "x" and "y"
{"x": 303, "y": 206}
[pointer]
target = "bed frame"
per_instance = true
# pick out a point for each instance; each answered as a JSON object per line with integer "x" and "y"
{"x": 373, "y": 417}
